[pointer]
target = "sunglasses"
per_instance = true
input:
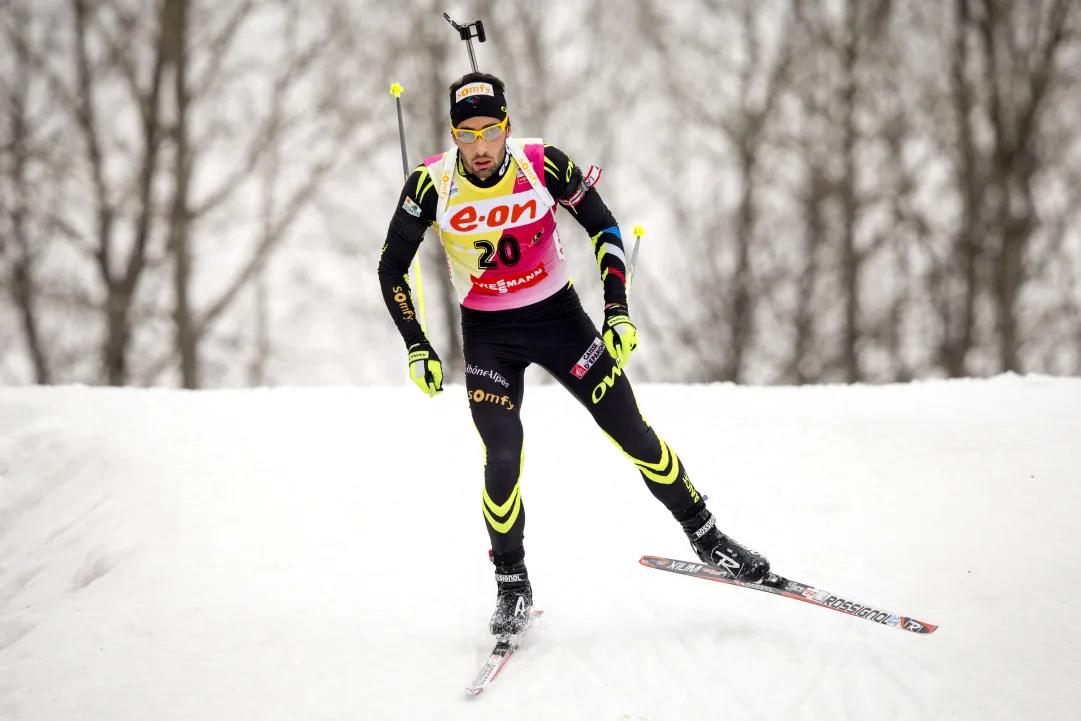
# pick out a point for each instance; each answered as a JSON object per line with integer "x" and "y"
{"x": 489, "y": 133}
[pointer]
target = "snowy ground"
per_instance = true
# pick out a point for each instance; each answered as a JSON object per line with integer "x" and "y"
{"x": 321, "y": 554}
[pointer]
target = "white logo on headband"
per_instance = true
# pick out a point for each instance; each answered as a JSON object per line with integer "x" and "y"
{"x": 473, "y": 89}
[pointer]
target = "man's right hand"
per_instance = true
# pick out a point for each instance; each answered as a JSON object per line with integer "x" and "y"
{"x": 425, "y": 368}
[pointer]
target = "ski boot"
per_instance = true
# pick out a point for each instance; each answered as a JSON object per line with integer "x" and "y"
{"x": 722, "y": 552}
{"x": 514, "y": 600}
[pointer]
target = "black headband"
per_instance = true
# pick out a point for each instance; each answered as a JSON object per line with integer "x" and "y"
{"x": 478, "y": 100}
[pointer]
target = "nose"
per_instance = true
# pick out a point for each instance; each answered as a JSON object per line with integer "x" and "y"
{"x": 480, "y": 146}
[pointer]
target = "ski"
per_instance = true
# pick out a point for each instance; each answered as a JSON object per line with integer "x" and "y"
{"x": 504, "y": 648}
{"x": 781, "y": 586}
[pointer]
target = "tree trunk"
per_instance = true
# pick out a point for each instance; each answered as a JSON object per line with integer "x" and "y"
{"x": 741, "y": 321}
{"x": 24, "y": 289}
{"x": 120, "y": 287}
{"x": 966, "y": 256}
{"x": 257, "y": 369}
{"x": 25, "y": 297}
{"x": 1015, "y": 215}
{"x": 812, "y": 241}
{"x": 186, "y": 339}
{"x": 117, "y": 337}
{"x": 850, "y": 255}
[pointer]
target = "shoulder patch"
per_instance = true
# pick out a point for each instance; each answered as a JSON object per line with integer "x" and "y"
{"x": 592, "y": 176}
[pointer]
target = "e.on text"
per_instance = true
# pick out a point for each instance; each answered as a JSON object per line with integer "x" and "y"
{"x": 501, "y": 214}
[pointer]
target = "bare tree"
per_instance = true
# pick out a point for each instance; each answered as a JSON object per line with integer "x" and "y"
{"x": 120, "y": 272}
{"x": 907, "y": 230}
{"x": 179, "y": 226}
{"x": 851, "y": 257}
{"x": 857, "y": 191}
{"x": 18, "y": 146}
{"x": 959, "y": 324}
{"x": 309, "y": 129}
{"x": 1021, "y": 44}
{"x": 804, "y": 366}
{"x": 172, "y": 163}
{"x": 746, "y": 133}
{"x": 726, "y": 130}
{"x": 849, "y": 94}
{"x": 244, "y": 177}
{"x": 1005, "y": 72}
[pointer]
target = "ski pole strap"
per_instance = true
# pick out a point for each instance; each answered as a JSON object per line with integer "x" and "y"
{"x": 445, "y": 170}
{"x": 517, "y": 151}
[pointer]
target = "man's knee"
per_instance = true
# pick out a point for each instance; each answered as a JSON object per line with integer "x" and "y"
{"x": 503, "y": 465}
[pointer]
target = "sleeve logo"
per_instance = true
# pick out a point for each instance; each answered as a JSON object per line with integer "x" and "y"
{"x": 410, "y": 207}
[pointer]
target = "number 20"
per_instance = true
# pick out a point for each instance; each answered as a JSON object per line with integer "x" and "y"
{"x": 509, "y": 252}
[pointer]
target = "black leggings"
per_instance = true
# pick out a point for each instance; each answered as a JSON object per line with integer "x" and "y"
{"x": 559, "y": 336}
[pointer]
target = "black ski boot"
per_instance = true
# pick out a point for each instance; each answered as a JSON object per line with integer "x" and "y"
{"x": 514, "y": 600}
{"x": 721, "y": 552}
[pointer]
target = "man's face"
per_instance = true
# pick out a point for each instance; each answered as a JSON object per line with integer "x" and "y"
{"x": 482, "y": 157}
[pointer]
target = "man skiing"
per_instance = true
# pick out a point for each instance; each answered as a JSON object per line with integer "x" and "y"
{"x": 492, "y": 199}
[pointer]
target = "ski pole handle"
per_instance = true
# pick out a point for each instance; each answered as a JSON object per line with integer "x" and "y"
{"x": 396, "y": 91}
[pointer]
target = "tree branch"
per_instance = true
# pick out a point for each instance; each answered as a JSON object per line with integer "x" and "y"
{"x": 86, "y": 117}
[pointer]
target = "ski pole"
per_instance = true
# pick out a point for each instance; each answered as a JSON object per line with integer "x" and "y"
{"x": 466, "y": 34}
{"x": 396, "y": 91}
{"x": 639, "y": 231}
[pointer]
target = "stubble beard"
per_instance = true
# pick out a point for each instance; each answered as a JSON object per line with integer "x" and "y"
{"x": 497, "y": 163}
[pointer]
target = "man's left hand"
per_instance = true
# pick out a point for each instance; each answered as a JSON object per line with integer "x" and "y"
{"x": 620, "y": 335}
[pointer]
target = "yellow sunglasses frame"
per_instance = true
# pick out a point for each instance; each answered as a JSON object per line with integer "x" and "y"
{"x": 502, "y": 125}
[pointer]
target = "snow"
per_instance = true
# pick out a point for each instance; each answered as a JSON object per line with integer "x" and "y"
{"x": 321, "y": 554}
